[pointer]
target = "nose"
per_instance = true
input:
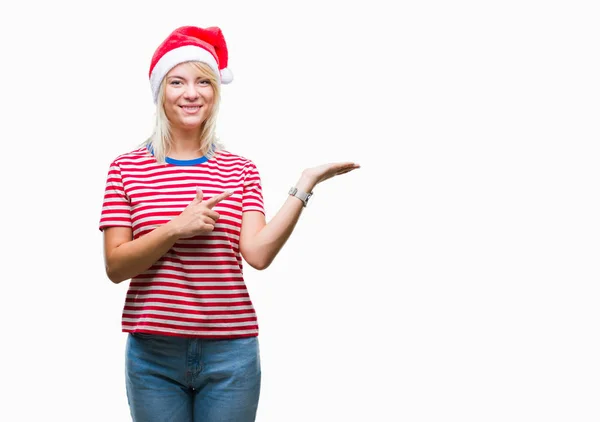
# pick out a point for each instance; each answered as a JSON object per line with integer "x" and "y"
{"x": 191, "y": 93}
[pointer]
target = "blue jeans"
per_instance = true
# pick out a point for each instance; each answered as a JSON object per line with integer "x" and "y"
{"x": 192, "y": 380}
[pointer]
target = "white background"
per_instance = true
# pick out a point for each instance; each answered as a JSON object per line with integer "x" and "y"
{"x": 454, "y": 277}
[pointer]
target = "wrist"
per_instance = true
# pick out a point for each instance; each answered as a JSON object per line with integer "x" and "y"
{"x": 305, "y": 183}
{"x": 172, "y": 230}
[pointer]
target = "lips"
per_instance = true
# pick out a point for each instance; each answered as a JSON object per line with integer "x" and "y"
{"x": 191, "y": 109}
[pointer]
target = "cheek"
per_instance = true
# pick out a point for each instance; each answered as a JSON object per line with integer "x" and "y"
{"x": 209, "y": 94}
{"x": 170, "y": 105}
{"x": 170, "y": 97}
{"x": 210, "y": 103}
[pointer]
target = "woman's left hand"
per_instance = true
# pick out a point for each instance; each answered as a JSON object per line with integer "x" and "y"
{"x": 318, "y": 174}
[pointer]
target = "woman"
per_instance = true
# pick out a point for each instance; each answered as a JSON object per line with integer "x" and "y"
{"x": 180, "y": 215}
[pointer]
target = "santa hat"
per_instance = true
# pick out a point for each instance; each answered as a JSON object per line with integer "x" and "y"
{"x": 190, "y": 43}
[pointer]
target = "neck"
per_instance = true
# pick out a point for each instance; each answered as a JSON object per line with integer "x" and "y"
{"x": 184, "y": 144}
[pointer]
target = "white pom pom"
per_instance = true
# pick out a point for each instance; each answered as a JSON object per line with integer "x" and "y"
{"x": 226, "y": 76}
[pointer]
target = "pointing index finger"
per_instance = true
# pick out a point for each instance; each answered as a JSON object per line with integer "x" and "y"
{"x": 216, "y": 199}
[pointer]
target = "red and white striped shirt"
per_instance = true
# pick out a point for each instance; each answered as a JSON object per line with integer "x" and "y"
{"x": 197, "y": 288}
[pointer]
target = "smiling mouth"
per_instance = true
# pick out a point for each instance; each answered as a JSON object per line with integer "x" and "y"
{"x": 191, "y": 109}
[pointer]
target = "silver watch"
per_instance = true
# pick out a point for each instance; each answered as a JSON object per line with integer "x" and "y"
{"x": 303, "y": 196}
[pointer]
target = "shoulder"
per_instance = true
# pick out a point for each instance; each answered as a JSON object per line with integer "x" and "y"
{"x": 227, "y": 158}
{"x": 137, "y": 156}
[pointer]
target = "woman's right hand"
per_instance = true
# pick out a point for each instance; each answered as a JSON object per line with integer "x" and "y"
{"x": 198, "y": 217}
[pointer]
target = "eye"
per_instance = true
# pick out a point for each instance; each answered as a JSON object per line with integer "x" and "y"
{"x": 175, "y": 83}
{"x": 204, "y": 82}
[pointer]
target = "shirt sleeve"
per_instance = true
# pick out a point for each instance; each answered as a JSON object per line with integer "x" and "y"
{"x": 116, "y": 208}
{"x": 252, "y": 199}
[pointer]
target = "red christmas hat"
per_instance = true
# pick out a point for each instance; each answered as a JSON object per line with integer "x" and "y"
{"x": 190, "y": 43}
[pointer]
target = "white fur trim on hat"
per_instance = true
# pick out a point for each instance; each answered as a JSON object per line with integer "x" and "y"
{"x": 226, "y": 76}
{"x": 176, "y": 56}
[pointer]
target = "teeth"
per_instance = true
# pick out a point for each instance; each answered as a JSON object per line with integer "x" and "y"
{"x": 191, "y": 108}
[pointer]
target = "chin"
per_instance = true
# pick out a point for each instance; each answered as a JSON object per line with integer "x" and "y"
{"x": 191, "y": 123}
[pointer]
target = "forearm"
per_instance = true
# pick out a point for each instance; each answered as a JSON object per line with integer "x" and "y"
{"x": 267, "y": 243}
{"x": 134, "y": 257}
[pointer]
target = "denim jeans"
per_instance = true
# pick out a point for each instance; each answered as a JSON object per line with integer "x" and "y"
{"x": 192, "y": 380}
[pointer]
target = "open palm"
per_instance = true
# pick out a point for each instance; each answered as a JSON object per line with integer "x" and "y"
{"x": 323, "y": 172}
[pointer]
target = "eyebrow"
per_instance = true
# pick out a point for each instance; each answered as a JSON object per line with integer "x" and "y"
{"x": 181, "y": 77}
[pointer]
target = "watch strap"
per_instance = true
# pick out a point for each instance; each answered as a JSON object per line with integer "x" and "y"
{"x": 303, "y": 196}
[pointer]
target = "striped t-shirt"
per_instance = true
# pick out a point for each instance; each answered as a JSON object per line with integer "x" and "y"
{"x": 197, "y": 288}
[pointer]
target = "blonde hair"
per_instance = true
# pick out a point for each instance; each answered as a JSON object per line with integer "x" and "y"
{"x": 160, "y": 141}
